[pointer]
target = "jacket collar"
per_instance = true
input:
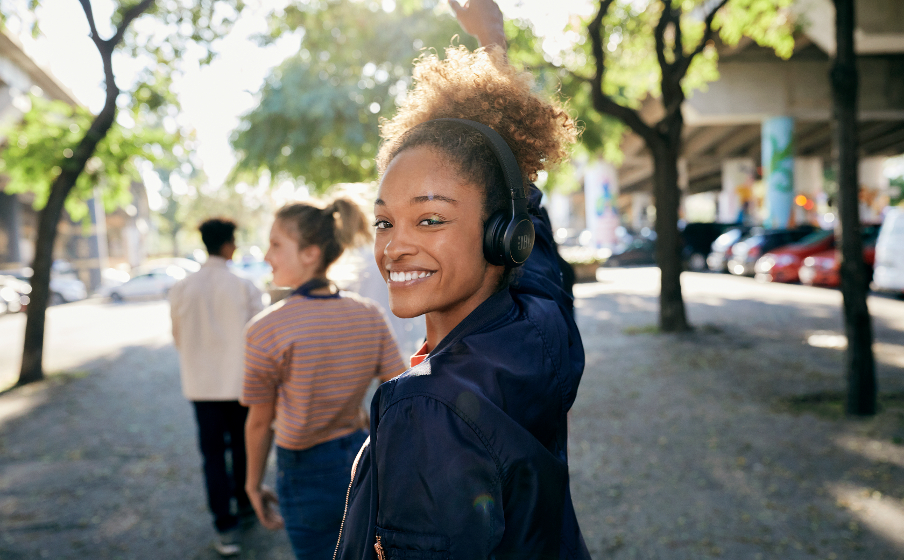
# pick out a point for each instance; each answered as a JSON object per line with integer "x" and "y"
{"x": 215, "y": 260}
{"x": 494, "y": 308}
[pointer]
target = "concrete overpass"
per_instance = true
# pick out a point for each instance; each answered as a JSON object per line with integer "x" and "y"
{"x": 762, "y": 105}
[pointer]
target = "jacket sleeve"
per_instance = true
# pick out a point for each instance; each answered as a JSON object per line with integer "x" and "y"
{"x": 541, "y": 274}
{"x": 440, "y": 495}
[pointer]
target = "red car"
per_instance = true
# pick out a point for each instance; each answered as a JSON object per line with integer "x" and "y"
{"x": 783, "y": 264}
{"x": 824, "y": 269}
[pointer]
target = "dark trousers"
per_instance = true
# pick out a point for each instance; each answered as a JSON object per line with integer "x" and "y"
{"x": 221, "y": 437}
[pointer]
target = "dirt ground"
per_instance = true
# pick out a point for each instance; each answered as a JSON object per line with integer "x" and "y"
{"x": 728, "y": 442}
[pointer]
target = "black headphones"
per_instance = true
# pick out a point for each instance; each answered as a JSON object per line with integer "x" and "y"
{"x": 509, "y": 234}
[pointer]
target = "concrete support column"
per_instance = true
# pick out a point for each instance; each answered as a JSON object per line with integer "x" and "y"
{"x": 874, "y": 186}
{"x": 10, "y": 224}
{"x": 640, "y": 202}
{"x": 778, "y": 169}
{"x": 808, "y": 181}
{"x": 600, "y": 194}
{"x": 97, "y": 242}
{"x": 735, "y": 203}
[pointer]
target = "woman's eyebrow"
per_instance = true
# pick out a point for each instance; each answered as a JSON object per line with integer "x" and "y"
{"x": 422, "y": 199}
{"x": 431, "y": 197}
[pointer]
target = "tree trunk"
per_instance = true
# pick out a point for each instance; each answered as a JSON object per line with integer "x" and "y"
{"x": 672, "y": 316}
{"x": 859, "y": 362}
{"x": 33, "y": 349}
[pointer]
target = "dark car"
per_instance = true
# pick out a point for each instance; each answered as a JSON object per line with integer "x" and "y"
{"x": 697, "y": 239}
{"x": 746, "y": 252}
{"x": 640, "y": 250}
{"x": 720, "y": 250}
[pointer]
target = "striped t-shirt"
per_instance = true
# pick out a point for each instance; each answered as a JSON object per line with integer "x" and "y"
{"x": 316, "y": 357}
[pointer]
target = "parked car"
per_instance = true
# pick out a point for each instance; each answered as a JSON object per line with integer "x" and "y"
{"x": 162, "y": 265}
{"x": 746, "y": 252}
{"x": 258, "y": 271}
{"x": 14, "y": 296}
{"x": 640, "y": 250}
{"x": 782, "y": 264}
{"x": 824, "y": 268}
{"x": 889, "y": 272}
{"x": 720, "y": 250}
{"x": 156, "y": 283}
{"x": 65, "y": 287}
{"x": 697, "y": 239}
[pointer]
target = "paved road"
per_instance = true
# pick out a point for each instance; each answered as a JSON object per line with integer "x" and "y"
{"x": 686, "y": 446}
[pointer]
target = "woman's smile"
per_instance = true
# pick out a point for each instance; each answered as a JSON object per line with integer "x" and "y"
{"x": 407, "y": 278}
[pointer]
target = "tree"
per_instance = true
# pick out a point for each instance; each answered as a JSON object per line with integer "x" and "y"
{"x": 184, "y": 23}
{"x": 671, "y": 40}
{"x": 859, "y": 362}
{"x": 318, "y": 117}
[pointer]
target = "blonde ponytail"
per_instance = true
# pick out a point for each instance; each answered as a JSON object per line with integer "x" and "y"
{"x": 352, "y": 225}
{"x": 333, "y": 227}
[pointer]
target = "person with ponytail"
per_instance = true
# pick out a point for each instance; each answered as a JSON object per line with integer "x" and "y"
{"x": 309, "y": 361}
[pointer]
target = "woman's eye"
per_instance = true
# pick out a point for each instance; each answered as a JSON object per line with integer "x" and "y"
{"x": 434, "y": 221}
{"x": 382, "y": 224}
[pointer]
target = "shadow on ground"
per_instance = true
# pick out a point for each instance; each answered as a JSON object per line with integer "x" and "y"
{"x": 706, "y": 444}
{"x": 103, "y": 464}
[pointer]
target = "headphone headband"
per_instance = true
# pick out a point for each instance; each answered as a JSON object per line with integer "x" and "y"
{"x": 510, "y": 169}
{"x": 508, "y": 235}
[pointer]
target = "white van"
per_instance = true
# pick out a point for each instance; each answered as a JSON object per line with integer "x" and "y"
{"x": 889, "y": 271}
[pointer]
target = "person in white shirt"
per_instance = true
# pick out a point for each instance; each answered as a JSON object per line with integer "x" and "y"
{"x": 209, "y": 311}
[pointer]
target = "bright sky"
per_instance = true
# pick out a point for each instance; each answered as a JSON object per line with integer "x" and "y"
{"x": 212, "y": 97}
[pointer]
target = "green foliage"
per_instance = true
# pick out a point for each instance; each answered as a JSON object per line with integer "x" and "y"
{"x": 40, "y": 145}
{"x": 318, "y": 117}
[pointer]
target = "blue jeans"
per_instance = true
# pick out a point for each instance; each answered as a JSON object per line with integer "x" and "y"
{"x": 312, "y": 485}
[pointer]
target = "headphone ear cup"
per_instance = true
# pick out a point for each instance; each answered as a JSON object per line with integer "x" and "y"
{"x": 493, "y": 238}
{"x": 518, "y": 240}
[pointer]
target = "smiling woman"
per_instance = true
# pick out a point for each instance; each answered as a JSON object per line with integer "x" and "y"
{"x": 467, "y": 455}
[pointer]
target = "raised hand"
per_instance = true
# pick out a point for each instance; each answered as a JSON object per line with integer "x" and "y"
{"x": 482, "y": 19}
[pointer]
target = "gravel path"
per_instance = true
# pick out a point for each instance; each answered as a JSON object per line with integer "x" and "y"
{"x": 723, "y": 443}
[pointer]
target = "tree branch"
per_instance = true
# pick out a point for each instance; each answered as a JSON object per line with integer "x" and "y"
{"x": 89, "y": 13}
{"x": 602, "y": 102}
{"x": 659, "y": 34}
{"x": 127, "y": 19}
{"x": 707, "y": 36}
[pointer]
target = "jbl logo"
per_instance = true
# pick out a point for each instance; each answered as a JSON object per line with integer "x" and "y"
{"x": 523, "y": 242}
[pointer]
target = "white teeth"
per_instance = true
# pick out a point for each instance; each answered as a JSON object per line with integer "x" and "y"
{"x": 406, "y": 276}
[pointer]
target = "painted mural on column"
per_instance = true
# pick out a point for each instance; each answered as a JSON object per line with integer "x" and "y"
{"x": 600, "y": 191}
{"x": 778, "y": 169}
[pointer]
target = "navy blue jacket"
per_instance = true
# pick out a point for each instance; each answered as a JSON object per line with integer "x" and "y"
{"x": 467, "y": 456}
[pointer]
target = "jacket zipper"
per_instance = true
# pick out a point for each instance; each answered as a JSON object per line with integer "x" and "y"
{"x": 378, "y": 546}
{"x": 349, "y": 493}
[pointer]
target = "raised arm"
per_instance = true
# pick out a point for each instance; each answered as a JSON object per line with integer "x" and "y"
{"x": 482, "y": 19}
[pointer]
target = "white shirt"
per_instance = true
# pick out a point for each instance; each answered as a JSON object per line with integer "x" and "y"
{"x": 209, "y": 310}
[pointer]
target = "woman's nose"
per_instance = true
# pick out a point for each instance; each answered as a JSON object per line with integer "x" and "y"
{"x": 400, "y": 244}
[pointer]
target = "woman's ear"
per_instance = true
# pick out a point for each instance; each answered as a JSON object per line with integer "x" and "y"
{"x": 310, "y": 256}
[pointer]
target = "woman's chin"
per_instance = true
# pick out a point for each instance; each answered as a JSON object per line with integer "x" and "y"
{"x": 404, "y": 311}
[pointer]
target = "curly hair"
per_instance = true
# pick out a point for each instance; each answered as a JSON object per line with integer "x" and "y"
{"x": 480, "y": 86}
